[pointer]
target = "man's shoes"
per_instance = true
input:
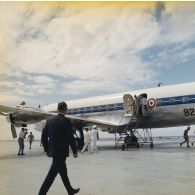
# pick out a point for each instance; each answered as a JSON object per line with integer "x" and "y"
{"x": 74, "y": 191}
{"x": 18, "y": 154}
{"x": 22, "y": 154}
{"x": 188, "y": 146}
{"x": 180, "y": 144}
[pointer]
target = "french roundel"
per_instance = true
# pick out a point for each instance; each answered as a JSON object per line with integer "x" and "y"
{"x": 151, "y": 103}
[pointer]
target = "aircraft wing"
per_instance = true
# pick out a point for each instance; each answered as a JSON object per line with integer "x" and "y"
{"x": 5, "y": 109}
{"x": 24, "y": 115}
{"x": 20, "y": 116}
{"x": 103, "y": 124}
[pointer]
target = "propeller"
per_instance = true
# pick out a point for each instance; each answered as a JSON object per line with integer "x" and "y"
{"x": 13, "y": 130}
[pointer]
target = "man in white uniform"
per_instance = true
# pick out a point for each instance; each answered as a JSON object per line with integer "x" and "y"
{"x": 87, "y": 138}
{"x": 94, "y": 137}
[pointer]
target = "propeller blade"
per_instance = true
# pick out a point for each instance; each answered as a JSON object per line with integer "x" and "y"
{"x": 13, "y": 130}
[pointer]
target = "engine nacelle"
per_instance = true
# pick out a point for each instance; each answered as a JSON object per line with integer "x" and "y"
{"x": 12, "y": 119}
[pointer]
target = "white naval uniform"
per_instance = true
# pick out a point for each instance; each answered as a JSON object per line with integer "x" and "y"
{"x": 87, "y": 142}
{"x": 94, "y": 137}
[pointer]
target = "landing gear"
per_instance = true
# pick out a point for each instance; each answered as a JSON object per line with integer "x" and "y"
{"x": 79, "y": 139}
{"x": 134, "y": 138}
{"x": 137, "y": 145}
{"x": 151, "y": 145}
{"x": 144, "y": 136}
{"x": 79, "y": 143}
{"x": 128, "y": 140}
{"x": 123, "y": 147}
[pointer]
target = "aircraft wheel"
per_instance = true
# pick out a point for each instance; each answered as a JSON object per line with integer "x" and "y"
{"x": 151, "y": 145}
{"x": 79, "y": 144}
{"x": 137, "y": 145}
{"x": 123, "y": 147}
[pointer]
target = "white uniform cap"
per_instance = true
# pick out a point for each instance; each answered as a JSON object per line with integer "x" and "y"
{"x": 94, "y": 126}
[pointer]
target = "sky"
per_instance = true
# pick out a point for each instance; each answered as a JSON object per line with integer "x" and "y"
{"x": 57, "y": 51}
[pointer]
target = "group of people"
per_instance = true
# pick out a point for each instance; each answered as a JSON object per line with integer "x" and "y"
{"x": 90, "y": 139}
{"x": 56, "y": 138}
{"x": 140, "y": 105}
{"x": 22, "y": 137}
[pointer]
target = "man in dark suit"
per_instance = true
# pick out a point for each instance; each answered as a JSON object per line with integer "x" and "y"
{"x": 56, "y": 138}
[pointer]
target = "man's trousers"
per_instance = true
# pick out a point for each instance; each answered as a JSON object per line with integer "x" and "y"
{"x": 57, "y": 166}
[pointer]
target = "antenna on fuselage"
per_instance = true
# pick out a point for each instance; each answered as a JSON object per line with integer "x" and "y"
{"x": 159, "y": 84}
{"x": 23, "y": 103}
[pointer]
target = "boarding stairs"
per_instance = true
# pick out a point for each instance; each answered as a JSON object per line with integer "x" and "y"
{"x": 132, "y": 111}
{"x": 126, "y": 131}
{"x": 144, "y": 135}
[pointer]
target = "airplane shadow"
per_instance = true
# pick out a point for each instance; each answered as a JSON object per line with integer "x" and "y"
{"x": 15, "y": 156}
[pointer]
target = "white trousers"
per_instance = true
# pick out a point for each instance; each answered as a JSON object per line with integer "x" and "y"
{"x": 88, "y": 146}
{"x": 93, "y": 146}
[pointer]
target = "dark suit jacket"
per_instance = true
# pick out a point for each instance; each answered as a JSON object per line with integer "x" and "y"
{"x": 57, "y": 136}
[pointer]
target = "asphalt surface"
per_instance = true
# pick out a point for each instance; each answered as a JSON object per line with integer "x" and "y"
{"x": 166, "y": 169}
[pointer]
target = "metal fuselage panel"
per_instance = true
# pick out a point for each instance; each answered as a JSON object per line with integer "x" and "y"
{"x": 174, "y": 106}
{"x": 168, "y": 116}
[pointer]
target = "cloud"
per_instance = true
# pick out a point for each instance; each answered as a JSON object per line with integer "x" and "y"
{"x": 42, "y": 80}
{"x": 28, "y": 85}
{"x": 74, "y": 47}
{"x": 177, "y": 24}
{"x": 10, "y": 100}
{"x": 82, "y": 50}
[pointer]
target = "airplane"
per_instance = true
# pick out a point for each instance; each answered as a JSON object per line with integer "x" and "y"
{"x": 166, "y": 106}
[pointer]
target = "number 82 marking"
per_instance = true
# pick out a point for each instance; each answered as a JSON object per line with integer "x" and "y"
{"x": 189, "y": 112}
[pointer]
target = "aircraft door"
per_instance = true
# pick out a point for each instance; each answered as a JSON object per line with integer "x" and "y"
{"x": 128, "y": 104}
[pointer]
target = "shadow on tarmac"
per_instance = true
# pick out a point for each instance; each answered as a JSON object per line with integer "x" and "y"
{"x": 15, "y": 156}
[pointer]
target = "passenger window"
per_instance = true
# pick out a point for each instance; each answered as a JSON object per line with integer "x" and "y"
{"x": 73, "y": 111}
{"x": 102, "y": 107}
{"x": 89, "y": 109}
{"x": 115, "y": 106}
{"x": 121, "y": 105}
{"x": 185, "y": 99}
{"x": 95, "y": 108}
{"x": 159, "y": 102}
{"x": 172, "y": 100}
{"x": 111, "y": 107}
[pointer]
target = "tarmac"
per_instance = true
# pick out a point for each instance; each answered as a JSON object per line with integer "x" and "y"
{"x": 167, "y": 169}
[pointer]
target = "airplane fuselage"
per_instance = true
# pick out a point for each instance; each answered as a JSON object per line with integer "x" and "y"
{"x": 168, "y": 106}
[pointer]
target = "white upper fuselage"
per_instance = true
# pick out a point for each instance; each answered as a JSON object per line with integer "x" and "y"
{"x": 174, "y": 107}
